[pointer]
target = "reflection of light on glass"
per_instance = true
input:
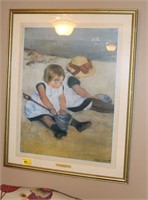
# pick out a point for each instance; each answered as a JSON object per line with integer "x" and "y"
{"x": 64, "y": 27}
{"x": 111, "y": 46}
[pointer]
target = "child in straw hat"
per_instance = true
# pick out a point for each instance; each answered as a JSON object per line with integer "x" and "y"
{"x": 78, "y": 98}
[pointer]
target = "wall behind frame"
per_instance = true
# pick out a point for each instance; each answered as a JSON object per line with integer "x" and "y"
{"x": 82, "y": 187}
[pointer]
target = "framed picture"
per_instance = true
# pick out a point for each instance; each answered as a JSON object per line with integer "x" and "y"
{"x": 95, "y": 51}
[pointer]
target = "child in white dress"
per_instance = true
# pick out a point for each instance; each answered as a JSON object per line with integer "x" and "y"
{"x": 49, "y": 101}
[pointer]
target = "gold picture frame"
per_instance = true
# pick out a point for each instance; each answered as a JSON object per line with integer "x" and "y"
{"x": 108, "y": 39}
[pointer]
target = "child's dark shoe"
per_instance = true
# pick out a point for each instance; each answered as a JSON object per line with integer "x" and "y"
{"x": 81, "y": 126}
{"x": 59, "y": 134}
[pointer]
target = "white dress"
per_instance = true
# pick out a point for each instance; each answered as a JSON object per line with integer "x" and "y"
{"x": 72, "y": 98}
{"x": 33, "y": 110}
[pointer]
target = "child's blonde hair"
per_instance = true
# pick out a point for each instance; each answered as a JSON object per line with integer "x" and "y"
{"x": 52, "y": 71}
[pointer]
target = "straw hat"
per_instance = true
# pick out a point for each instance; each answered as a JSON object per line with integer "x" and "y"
{"x": 81, "y": 66}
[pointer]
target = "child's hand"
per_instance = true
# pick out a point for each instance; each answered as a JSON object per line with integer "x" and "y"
{"x": 62, "y": 112}
{"x": 95, "y": 97}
